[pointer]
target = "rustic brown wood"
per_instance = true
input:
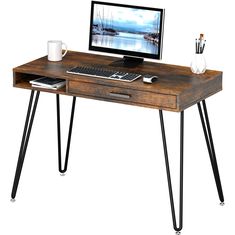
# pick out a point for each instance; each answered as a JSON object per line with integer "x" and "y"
{"x": 176, "y": 89}
{"x": 124, "y": 95}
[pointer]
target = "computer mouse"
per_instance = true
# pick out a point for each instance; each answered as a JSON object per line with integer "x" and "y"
{"x": 149, "y": 78}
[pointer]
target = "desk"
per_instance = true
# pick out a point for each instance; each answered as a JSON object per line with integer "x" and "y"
{"x": 176, "y": 90}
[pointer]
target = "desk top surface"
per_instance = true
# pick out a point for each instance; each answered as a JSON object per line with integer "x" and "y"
{"x": 174, "y": 81}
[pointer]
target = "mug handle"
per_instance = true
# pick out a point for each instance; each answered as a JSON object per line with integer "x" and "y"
{"x": 66, "y": 50}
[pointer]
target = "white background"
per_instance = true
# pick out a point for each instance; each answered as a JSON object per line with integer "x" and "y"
{"x": 116, "y": 181}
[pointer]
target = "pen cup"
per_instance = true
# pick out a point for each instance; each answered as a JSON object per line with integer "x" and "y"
{"x": 198, "y": 63}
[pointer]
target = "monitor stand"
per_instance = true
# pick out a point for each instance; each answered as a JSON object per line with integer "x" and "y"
{"x": 127, "y": 61}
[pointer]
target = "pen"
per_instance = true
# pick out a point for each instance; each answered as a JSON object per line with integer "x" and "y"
{"x": 200, "y": 44}
{"x": 203, "y": 46}
{"x": 197, "y": 46}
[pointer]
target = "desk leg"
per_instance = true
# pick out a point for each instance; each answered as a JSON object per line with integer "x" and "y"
{"x": 25, "y": 139}
{"x": 177, "y": 229}
{"x": 210, "y": 146}
{"x": 63, "y": 170}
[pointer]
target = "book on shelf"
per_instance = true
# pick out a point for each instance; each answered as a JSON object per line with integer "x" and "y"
{"x": 48, "y": 83}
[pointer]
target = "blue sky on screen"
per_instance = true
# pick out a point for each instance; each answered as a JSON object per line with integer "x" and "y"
{"x": 129, "y": 17}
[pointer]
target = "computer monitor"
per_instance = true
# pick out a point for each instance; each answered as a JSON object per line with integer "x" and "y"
{"x": 133, "y": 31}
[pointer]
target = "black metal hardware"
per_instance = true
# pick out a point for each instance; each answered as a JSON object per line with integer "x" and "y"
{"x": 64, "y": 169}
{"x": 119, "y": 95}
{"x": 210, "y": 146}
{"x": 179, "y": 228}
{"x": 32, "y": 106}
{"x": 25, "y": 139}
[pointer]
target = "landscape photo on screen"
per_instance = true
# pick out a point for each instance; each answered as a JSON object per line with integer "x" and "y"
{"x": 126, "y": 28}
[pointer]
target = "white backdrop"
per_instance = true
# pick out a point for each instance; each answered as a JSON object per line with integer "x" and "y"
{"x": 116, "y": 182}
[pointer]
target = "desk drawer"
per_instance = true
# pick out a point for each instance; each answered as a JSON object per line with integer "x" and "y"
{"x": 122, "y": 95}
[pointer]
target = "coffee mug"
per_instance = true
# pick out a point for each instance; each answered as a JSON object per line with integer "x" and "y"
{"x": 54, "y": 50}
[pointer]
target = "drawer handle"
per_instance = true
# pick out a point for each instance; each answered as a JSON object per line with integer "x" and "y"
{"x": 119, "y": 95}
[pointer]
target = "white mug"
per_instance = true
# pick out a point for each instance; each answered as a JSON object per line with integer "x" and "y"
{"x": 54, "y": 50}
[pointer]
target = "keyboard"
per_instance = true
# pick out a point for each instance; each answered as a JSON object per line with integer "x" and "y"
{"x": 100, "y": 72}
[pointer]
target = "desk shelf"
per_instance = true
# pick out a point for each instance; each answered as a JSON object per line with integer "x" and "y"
{"x": 22, "y": 80}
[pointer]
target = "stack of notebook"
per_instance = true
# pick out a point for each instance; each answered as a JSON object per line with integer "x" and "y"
{"x": 48, "y": 83}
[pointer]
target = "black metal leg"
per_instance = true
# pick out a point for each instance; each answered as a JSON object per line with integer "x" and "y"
{"x": 63, "y": 170}
{"x": 177, "y": 229}
{"x": 210, "y": 146}
{"x": 25, "y": 139}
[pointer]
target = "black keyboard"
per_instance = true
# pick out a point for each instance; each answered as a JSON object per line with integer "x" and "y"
{"x": 104, "y": 73}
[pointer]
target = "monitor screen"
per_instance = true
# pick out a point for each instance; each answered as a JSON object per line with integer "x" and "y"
{"x": 133, "y": 31}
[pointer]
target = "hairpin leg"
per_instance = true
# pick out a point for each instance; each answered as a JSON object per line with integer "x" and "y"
{"x": 177, "y": 229}
{"x": 64, "y": 169}
{"x": 210, "y": 146}
{"x": 25, "y": 139}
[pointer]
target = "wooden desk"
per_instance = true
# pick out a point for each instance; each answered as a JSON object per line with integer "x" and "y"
{"x": 176, "y": 89}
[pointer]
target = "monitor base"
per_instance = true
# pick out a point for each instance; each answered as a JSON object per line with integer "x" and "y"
{"x": 128, "y": 61}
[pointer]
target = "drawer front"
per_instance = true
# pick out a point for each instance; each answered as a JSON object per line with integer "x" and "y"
{"x": 122, "y": 95}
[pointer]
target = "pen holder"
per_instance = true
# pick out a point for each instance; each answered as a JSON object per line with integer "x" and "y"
{"x": 198, "y": 64}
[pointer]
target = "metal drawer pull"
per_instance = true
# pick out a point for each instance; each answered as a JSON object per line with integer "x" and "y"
{"x": 119, "y": 95}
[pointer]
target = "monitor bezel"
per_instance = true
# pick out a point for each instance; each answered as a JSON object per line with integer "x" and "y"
{"x": 127, "y": 52}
